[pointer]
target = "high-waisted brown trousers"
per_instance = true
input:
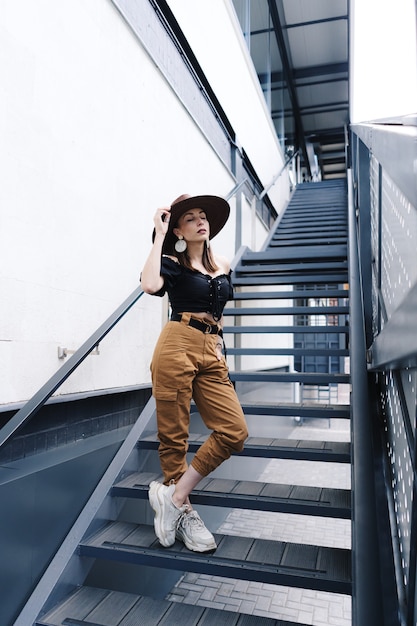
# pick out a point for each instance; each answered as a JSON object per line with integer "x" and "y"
{"x": 185, "y": 366}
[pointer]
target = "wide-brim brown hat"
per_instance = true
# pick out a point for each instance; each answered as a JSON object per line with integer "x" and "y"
{"x": 216, "y": 209}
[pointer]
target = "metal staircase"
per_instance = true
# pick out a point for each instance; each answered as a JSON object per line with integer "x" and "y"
{"x": 301, "y": 276}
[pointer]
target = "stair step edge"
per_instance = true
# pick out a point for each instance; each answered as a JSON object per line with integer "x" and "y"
{"x": 139, "y": 608}
{"x": 335, "y": 452}
{"x": 253, "y": 495}
{"x": 267, "y": 561}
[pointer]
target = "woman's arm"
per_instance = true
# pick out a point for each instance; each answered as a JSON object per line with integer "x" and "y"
{"x": 151, "y": 280}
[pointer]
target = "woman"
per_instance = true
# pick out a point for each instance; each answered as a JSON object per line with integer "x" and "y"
{"x": 188, "y": 362}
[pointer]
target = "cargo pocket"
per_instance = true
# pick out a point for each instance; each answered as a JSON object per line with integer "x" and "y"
{"x": 169, "y": 374}
{"x": 168, "y": 395}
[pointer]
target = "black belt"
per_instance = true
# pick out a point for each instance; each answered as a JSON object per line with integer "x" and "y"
{"x": 205, "y": 327}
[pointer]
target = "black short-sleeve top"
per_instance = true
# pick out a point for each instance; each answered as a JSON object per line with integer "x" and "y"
{"x": 194, "y": 292}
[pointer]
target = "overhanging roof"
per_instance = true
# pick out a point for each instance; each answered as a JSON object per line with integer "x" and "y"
{"x": 300, "y": 49}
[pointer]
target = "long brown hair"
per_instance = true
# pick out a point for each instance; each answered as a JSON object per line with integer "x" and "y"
{"x": 207, "y": 260}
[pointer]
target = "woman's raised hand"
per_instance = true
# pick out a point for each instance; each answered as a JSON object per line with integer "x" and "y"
{"x": 161, "y": 220}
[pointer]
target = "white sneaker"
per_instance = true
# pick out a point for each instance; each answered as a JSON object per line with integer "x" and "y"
{"x": 191, "y": 530}
{"x": 166, "y": 513}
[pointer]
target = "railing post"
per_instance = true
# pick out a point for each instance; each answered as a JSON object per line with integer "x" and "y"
{"x": 366, "y": 598}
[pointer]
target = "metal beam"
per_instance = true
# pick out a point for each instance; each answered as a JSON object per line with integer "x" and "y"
{"x": 321, "y": 70}
{"x": 338, "y": 18}
{"x": 325, "y": 106}
{"x": 264, "y": 79}
{"x": 288, "y": 73}
{"x": 325, "y": 20}
{"x": 308, "y": 72}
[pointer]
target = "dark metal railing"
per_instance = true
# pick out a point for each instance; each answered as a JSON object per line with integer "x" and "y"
{"x": 366, "y": 601}
{"x": 29, "y": 410}
{"x": 383, "y": 165}
{"x": 278, "y": 174}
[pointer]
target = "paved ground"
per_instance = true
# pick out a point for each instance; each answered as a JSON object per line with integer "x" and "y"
{"x": 298, "y": 605}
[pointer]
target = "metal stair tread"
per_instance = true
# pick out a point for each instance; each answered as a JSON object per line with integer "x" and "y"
{"x": 302, "y": 409}
{"x": 295, "y": 294}
{"x": 290, "y": 279}
{"x": 326, "y": 230}
{"x": 336, "y": 208}
{"x": 308, "y": 378}
{"x": 330, "y": 251}
{"x": 298, "y": 221}
{"x": 299, "y": 409}
{"x": 294, "y": 221}
{"x": 252, "y": 495}
{"x": 287, "y": 329}
{"x": 127, "y": 609}
{"x": 300, "y": 240}
{"x": 291, "y": 310}
{"x": 288, "y": 351}
{"x": 308, "y": 264}
{"x": 261, "y": 560}
{"x": 270, "y": 447}
{"x": 330, "y": 208}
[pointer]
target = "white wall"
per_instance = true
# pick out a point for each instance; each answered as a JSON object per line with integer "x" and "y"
{"x": 93, "y": 140}
{"x": 214, "y": 33}
{"x": 384, "y": 59}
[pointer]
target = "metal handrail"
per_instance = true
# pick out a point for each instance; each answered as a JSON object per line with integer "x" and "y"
{"x": 281, "y": 171}
{"x": 236, "y": 188}
{"x": 32, "y": 406}
{"x": 261, "y": 196}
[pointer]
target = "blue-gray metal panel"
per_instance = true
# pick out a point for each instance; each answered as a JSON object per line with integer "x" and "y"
{"x": 62, "y": 561}
{"x": 396, "y": 344}
{"x": 395, "y": 148}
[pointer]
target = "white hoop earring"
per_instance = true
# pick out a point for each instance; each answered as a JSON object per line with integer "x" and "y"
{"x": 180, "y": 244}
{"x": 207, "y": 244}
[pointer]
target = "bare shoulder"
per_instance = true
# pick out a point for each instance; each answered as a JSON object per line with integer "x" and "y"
{"x": 223, "y": 263}
{"x": 169, "y": 256}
